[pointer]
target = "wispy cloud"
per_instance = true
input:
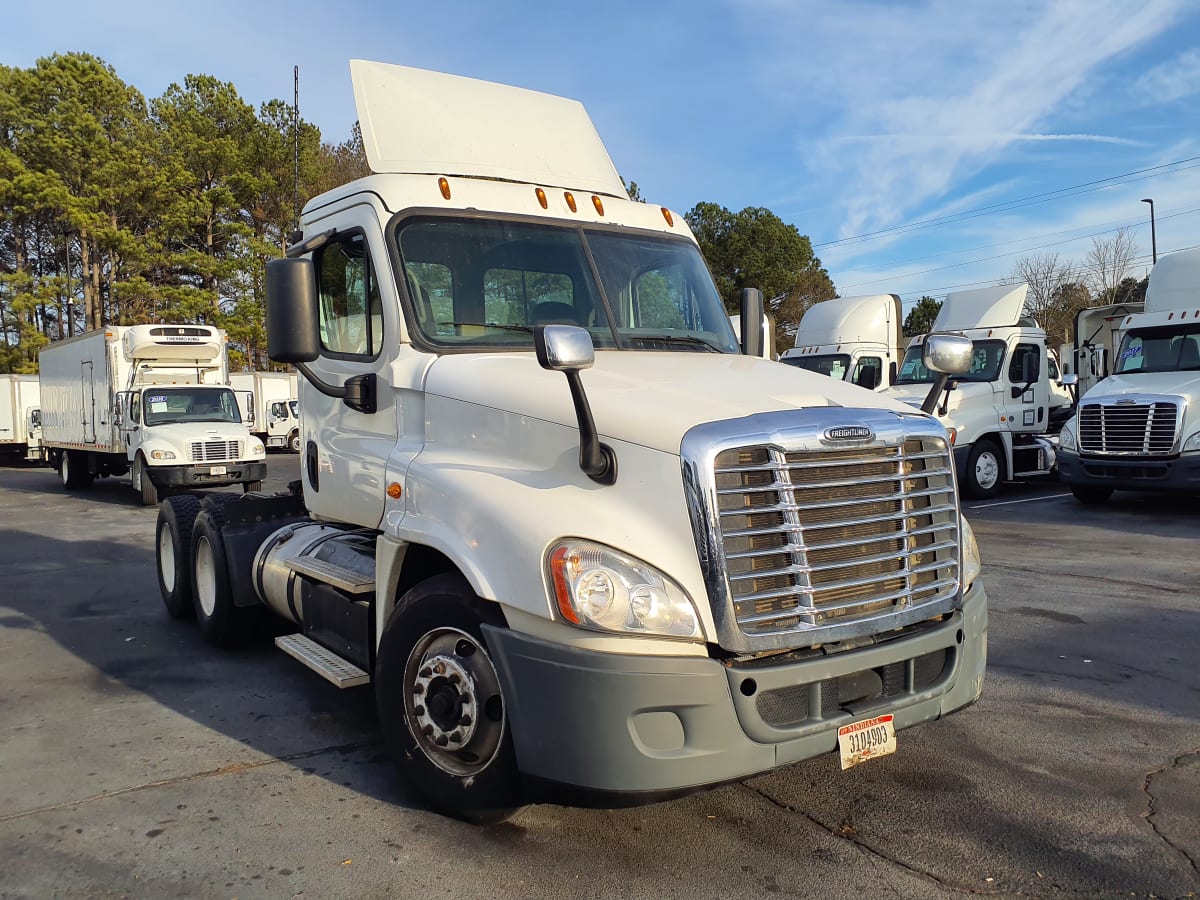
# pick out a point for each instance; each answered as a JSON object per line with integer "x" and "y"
{"x": 945, "y": 139}
{"x": 1172, "y": 80}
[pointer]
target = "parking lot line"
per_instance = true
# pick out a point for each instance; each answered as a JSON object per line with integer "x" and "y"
{"x": 1022, "y": 500}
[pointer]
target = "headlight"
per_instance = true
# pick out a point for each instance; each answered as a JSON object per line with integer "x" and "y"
{"x": 256, "y": 447}
{"x": 1192, "y": 444}
{"x": 972, "y": 563}
{"x": 162, "y": 454}
{"x": 1066, "y": 437}
{"x": 597, "y": 587}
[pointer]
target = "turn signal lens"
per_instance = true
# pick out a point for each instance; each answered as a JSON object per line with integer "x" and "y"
{"x": 444, "y": 187}
{"x": 394, "y": 490}
{"x": 541, "y": 195}
{"x": 667, "y": 215}
{"x": 570, "y": 200}
{"x": 596, "y": 202}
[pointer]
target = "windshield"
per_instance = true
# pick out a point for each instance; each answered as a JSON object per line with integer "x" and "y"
{"x": 835, "y": 365}
{"x": 1170, "y": 348}
{"x": 985, "y": 365}
{"x": 195, "y": 404}
{"x": 480, "y": 283}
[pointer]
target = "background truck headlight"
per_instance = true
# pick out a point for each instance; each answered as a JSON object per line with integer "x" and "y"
{"x": 972, "y": 562}
{"x": 597, "y": 587}
{"x": 162, "y": 454}
{"x": 1192, "y": 444}
{"x": 257, "y": 448}
{"x": 1066, "y": 437}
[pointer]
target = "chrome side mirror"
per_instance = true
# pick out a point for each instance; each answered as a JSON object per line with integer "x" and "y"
{"x": 564, "y": 348}
{"x": 947, "y": 353}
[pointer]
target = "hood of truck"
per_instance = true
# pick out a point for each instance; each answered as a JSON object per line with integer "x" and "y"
{"x": 1177, "y": 384}
{"x": 178, "y": 436}
{"x": 973, "y": 395}
{"x": 645, "y": 398}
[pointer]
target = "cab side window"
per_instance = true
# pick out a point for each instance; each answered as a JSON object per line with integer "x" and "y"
{"x": 868, "y": 372}
{"x": 351, "y": 309}
{"x": 1016, "y": 366}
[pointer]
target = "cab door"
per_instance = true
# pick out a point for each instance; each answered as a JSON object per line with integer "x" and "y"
{"x": 1028, "y": 394}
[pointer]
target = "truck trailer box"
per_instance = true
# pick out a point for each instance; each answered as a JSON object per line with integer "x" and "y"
{"x": 18, "y": 405}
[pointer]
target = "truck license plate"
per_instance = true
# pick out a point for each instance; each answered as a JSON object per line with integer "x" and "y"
{"x": 216, "y": 470}
{"x": 866, "y": 740}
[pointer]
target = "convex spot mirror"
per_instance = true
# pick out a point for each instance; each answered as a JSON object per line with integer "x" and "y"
{"x": 1070, "y": 380}
{"x": 564, "y": 348}
{"x": 948, "y": 354}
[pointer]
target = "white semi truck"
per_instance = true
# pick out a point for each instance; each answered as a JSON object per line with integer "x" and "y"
{"x": 854, "y": 339}
{"x": 1097, "y": 333}
{"x": 268, "y": 404}
{"x": 20, "y": 418}
{"x": 1138, "y": 429}
{"x": 998, "y": 411}
{"x": 584, "y": 549}
{"x": 153, "y": 400}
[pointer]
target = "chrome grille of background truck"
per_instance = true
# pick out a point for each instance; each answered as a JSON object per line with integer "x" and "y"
{"x": 1138, "y": 428}
{"x": 804, "y": 541}
{"x": 216, "y": 451}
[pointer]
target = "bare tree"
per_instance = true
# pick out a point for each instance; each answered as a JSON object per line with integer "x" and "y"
{"x": 1049, "y": 301}
{"x": 1108, "y": 263}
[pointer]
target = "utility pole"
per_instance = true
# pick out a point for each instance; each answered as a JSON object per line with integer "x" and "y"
{"x": 296, "y": 147}
{"x": 1153, "y": 239}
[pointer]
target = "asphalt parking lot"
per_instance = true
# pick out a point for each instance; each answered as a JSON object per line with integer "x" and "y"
{"x": 135, "y": 760}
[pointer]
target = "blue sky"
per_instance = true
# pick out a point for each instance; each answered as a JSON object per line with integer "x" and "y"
{"x": 845, "y": 118}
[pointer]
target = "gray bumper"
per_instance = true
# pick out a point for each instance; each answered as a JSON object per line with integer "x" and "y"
{"x": 637, "y": 728}
{"x": 1180, "y": 473}
{"x": 200, "y": 475}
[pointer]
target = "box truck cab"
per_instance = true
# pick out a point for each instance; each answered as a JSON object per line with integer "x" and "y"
{"x": 20, "y": 418}
{"x": 1139, "y": 428}
{"x": 585, "y": 549}
{"x": 268, "y": 404}
{"x": 998, "y": 411}
{"x": 148, "y": 399}
{"x": 854, "y": 339}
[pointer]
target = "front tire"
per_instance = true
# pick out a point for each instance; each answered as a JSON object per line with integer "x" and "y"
{"x": 294, "y": 441}
{"x": 173, "y": 554}
{"x": 1090, "y": 494}
{"x": 441, "y": 707}
{"x": 221, "y": 622}
{"x": 142, "y": 484}
{"x": 984, "y": 471}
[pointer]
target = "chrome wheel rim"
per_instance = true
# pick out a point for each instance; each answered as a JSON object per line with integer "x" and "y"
{"x": 987, "y": 470}
{"x": 452, "y": 701}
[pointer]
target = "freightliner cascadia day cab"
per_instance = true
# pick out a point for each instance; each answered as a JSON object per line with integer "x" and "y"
{"x": 998, "y": 411}
{"x": 1139, "y": 428}
{"x": 20, "y": 418}
{"x": 1097, "y": 333}
{"x": 854, "y": 339}
{"x": 267, "y": 401}
{"x": 584, "y": 549}
{"x": 151, "y": 399}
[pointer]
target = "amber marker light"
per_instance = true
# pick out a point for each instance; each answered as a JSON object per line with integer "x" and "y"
{"x": 394, "y": 490}
{"x": 541, "y": 195}
{"x": 570, "y": 200}
{"x": 598, "y": 204}
{"x": 667, "y": 215}
{"x": 558, "y": 566}
{"x": 444, "y": 186}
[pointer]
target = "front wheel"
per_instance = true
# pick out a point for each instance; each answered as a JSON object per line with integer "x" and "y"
{"x": 984, "y": 471}
{"x": 441, "y": 706}
{"x": 142, "y": 483}
{"x": 294, "y": 441}
{"x": 1090, "y": 494}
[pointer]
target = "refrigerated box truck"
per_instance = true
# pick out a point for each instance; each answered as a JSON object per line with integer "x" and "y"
{"x": 153, "y": 400}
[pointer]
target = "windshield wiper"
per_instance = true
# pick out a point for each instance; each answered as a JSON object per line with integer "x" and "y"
{"x": 688, "y": 339}
{"x": 525, "y": 328}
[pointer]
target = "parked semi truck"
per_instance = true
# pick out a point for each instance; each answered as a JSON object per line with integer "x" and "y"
{"x": 584, "y": 548}
{"x": 1139, "y": 428}
{"x": 1096, "y": 334}
{"x": 152, "y": 400}
{"x": 855, "y": 339}
{"x": 998, "y": 411}
{"x": 20, "y": 418}
{"x": 267, "y": 401}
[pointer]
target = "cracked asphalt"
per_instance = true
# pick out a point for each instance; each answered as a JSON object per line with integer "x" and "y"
{"x": 137, "y": 761}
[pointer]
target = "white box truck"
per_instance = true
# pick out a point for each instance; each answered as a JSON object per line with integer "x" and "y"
{"x": 854, "y": 339}
{"x": 268, "y": 404}
{"x": 20, "y": 418}
{"x": 685, "y": 565}
{"x": 153, "y": 400}
{"x": 1138, "y": 429}
{"x": 998, "y": 411}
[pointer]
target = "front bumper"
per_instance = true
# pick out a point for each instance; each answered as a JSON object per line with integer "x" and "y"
{"x": 1148, "y": 473}
{"x": 615, "y": 729}
{"x": 201, "y": 475}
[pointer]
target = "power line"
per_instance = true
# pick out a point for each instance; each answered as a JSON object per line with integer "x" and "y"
{"x": 1019, "y": 203}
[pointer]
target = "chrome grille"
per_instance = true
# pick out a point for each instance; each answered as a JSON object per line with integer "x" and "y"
{"x": 216, "y": 451}
{"x": 817, "y": 538}
{"x": 1143, "y": 429}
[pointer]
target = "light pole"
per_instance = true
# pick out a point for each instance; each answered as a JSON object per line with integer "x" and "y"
{"x": 1153, "y": 240}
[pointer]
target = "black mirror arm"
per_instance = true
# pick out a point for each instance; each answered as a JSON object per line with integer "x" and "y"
{"x": 935, "y": 393}
{"x": 598, "y": 461}
{"x": 358, "y": 393}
